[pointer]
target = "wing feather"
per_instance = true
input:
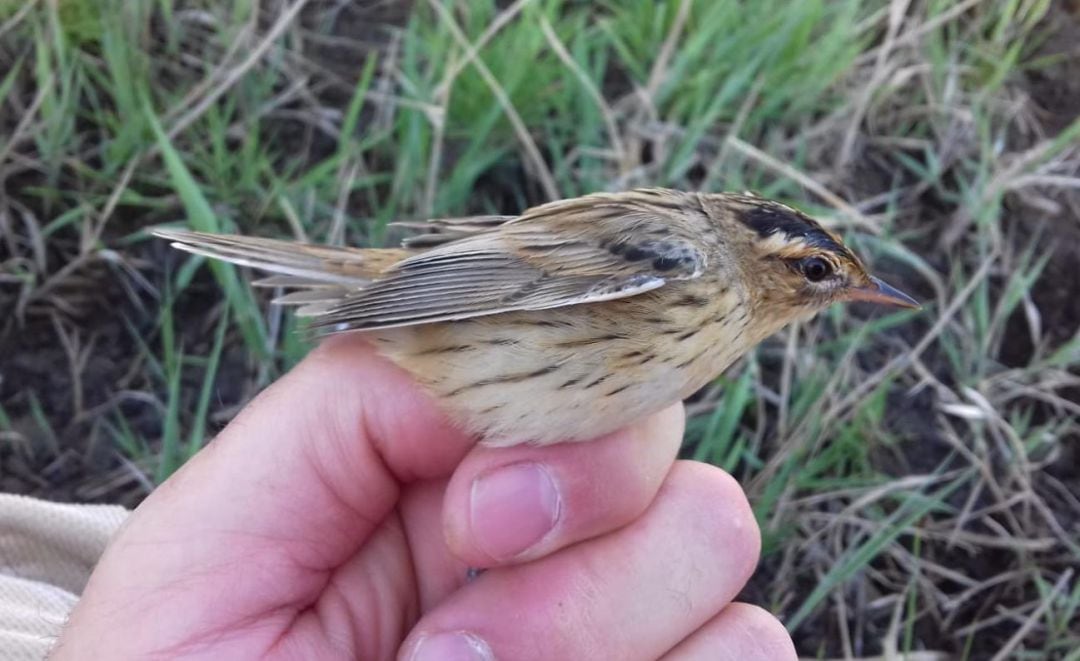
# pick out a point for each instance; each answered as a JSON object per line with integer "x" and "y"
{"x": 444, "y": 230}
{"x": 566, "y": 253}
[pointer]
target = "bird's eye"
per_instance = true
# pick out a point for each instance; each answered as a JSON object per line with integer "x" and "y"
{"x": 815, "y": 269}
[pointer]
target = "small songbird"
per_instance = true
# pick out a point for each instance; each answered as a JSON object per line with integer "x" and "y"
{"x": 576, "y": 317}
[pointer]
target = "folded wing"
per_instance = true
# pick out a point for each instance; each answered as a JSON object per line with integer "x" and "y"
{"x": 579, "y": 251}
{"x": 586, "y": 250}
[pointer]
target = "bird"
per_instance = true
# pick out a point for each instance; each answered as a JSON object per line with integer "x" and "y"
{"x": 576, "y": 317}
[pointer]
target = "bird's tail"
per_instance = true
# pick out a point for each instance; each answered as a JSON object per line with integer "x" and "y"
{"x": 322, "y": 274}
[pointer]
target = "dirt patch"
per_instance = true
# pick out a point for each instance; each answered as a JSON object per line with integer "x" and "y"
{"x": 64, "y": 411}
{"x": 1055, "y": 92}
{"x": 47, "y": 396}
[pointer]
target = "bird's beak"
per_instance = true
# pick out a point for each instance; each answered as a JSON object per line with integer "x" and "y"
{"x": 880, "y": 292}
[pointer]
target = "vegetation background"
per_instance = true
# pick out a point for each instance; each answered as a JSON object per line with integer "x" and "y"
{"x": 916, "y": 475}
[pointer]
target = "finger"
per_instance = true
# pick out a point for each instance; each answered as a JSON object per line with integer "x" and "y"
{"x": 511, "y": 504}
{"x": 740, "y": 632}
{"x": 632, "y": 594}
{"x": 290, "y": 490}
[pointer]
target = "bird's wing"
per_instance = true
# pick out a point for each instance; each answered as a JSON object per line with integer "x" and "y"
{"x": 585, "y": 250}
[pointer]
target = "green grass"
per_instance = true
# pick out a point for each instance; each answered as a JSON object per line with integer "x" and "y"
{"x": 898, "y": 463}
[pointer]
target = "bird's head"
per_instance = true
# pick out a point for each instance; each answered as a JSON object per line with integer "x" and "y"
{"x": 794, "y": 266}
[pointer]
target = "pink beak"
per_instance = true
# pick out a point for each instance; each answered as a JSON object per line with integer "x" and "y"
{"x": 880, "y": 292}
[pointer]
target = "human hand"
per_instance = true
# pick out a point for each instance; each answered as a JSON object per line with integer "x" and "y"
{"x": 337, "y": 515}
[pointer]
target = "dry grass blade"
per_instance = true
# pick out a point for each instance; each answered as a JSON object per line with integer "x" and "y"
{"x": 947, "y": 313}
{"x": 442, "y": 96}
{"x": 590, "y": 88}
{"x": 20, "y": 133}
{"x": 284, "y": 20}
{"x": 897, "y": 12}
{"x": 925, "y": 28}
{"x": 535, "y": 158}
{"x": 1034, "y": 617}
{"x": 16, "y": 18}
{"x": 192, "y": 115}
{"x": 804, "y": 180}
{"x": 660, "y": 65}
{"x": 501, "y": 20}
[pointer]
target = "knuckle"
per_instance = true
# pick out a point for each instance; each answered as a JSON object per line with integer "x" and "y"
{"x": 728, "y": 521}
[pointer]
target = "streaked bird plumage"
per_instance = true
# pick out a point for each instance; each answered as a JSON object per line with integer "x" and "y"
{"x": 576, "y": 317}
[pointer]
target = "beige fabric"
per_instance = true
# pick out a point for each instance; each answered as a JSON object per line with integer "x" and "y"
{"x": 47, "y": 551}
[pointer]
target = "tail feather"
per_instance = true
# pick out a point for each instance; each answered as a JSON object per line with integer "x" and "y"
{"x": 292, "y": 282}
{"x": 294, "y": 264}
